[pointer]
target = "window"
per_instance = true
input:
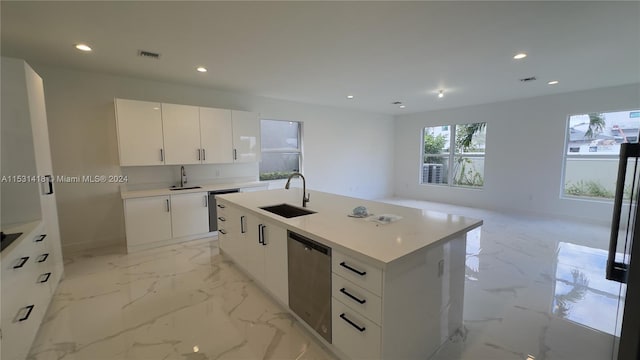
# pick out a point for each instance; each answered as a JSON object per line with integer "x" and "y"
{"x": 459, "y": 165}
{"x": 591, "y": 156}
{"x": 281, "y": 149}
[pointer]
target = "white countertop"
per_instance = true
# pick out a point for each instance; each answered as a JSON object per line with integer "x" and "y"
{"x": 126, "y": 193}
{"x": 381, "y": 243}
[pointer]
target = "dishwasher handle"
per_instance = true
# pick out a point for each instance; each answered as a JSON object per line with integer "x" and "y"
{"x": 312, "y": 245}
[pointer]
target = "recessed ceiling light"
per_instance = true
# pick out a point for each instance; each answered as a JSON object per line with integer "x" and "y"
{"x": 402, "y": 106}
{"x": 441, "y": 94}
{"x": 520, "y": 56}
{"x": 201, "y": 69}
{"x": 553, "y": 82}
{"x": 83, "y": 47}
{"x": 349, "y": 97}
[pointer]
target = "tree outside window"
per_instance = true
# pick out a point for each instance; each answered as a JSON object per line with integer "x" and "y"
{"x": 460, "y": 165}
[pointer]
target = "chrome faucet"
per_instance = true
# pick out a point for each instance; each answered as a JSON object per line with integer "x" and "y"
{"x": 183, "y": 176}
{"x": 305, "y": 196}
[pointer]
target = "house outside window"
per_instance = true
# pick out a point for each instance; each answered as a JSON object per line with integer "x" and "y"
{"x": 592, "y": 152}
{"x": 459, "y": 165}
{"x": 281, "y": 149}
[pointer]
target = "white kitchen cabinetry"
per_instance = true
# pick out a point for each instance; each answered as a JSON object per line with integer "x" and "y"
{"x": 259, "y": 247}
{"x": 246, "y": 136}
{"x": 140, "y": 140}
{"x": 215, "y": 136}
{"x": 189, "y": 214}
{"x": 232, "y": 233}
{"x": 32, "y": 265}
{"x": 147, "y": 220}
{"x": 181, "y": 128}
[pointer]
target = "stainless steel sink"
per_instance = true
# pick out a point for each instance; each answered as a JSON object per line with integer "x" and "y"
{"x": 288, "y": 211}
{"x": 185, "y": 188}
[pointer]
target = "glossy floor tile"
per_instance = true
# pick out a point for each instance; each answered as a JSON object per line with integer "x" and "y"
{"x": 534, "y": 288}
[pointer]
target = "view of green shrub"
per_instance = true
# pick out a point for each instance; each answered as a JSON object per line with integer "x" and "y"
{"x": 588, "y": 188}
{"x": 275, "y": 175}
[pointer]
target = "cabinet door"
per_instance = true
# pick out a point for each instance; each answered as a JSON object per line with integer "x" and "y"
{"x": 147, "y": 220}
{"x": 189, "y": 214}
{"x": 246, "y": 136}
{"x": 181, "y": 127}
{"x": 216, "y": 136}
{"x": 254, "y": 248}
{"x": 139, "y": 133}
{"x": 275, "y": 261}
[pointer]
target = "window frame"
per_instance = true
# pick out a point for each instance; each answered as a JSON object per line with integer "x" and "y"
{"x": 299, "y": 151}
{"x": 450, "y": 156}
{"x": 566, "y": 156}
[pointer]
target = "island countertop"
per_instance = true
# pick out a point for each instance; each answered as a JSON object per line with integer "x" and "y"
{"x": 381, "y": 243}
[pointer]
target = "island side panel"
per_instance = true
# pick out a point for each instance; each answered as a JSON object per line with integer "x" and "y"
{"x": 423, "y": 300}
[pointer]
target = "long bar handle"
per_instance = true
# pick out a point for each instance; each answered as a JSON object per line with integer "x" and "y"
{"x": 361, "y": 273}
{"x": 168, "y": 207}
{"x": 615, "y": 270}
{"x": 264, "y": 242}
{"x": 49, "y": 184}
{"x": 204, "y": 155}
{"x": 345, "y": 318}
{"x": 162, "y": 155}
{"x": 353, "y": 297}
{"x": 242, "y": 230}
{"x": 199, "y": 154}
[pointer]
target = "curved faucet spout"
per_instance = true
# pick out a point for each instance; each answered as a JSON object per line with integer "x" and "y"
{"x": 305, "y": 196}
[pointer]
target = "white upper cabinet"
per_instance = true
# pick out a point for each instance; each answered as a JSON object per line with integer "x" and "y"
{"x": 246, "y": 136}
{"x": 139, "y": 126}
{"x": 215, "y": 136}
{"x": 181, "y": 126}
{"x": 169, "y": 134}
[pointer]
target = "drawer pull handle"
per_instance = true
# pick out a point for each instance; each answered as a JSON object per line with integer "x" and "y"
{"x": 40, "y": 238}
{"x": 242, "y": 231}
{"x": 345, "y": 318}
{"x": 29, "y": 310}
{"x": 221, "y": 218}
{"x": 222, "y": 231}
{"x": 361, "y": 301}
{"x": 43, "y": 258}
{"x": 46, "y": 277}
{"x": 23, "y": 260}
{"x": 361, "y": 273}
{"x": 221, "y": 206}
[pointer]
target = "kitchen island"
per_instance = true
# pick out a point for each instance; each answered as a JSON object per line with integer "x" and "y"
{"x": 397, "y": 288}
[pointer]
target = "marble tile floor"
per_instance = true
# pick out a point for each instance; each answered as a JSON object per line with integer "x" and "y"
{"x": 534, "y": 289}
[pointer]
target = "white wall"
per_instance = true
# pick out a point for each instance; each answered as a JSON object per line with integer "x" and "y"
{"x": 524, "y": 154}
{"x": 345, "y": 151}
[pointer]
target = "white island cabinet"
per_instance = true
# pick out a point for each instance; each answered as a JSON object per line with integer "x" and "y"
{"x": 397, "y": 288}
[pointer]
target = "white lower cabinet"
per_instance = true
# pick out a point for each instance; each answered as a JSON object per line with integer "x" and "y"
{"x": 353, "y": 334}
{"x": 189, "y": 214}
{"x": 259, "y": 247}
{"x": 29, "y": 279}
{"x": 147, "y": 220}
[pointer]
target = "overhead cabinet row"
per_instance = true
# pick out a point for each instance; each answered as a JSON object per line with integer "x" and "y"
{"x": 152, "y": 133}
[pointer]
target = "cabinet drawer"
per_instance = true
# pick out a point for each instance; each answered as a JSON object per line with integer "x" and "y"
{"x": 353, "y": 334}
{"x": 359, "y": 273}
{"x": 357, "y": 298}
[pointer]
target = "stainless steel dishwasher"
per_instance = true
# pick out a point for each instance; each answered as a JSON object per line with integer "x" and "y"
{"x": 310, "y": 282}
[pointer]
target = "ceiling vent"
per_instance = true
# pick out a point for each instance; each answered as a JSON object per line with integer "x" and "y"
{"x": 148, "y": 54}
{"x": 528, "y": 79}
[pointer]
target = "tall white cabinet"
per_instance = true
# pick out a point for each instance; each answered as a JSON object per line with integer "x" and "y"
{"x": 31, "y": 266}
{"x": 215, "y": 129}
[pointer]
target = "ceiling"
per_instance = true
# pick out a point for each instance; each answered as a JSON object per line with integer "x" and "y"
{"x": 319, "y": 52}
